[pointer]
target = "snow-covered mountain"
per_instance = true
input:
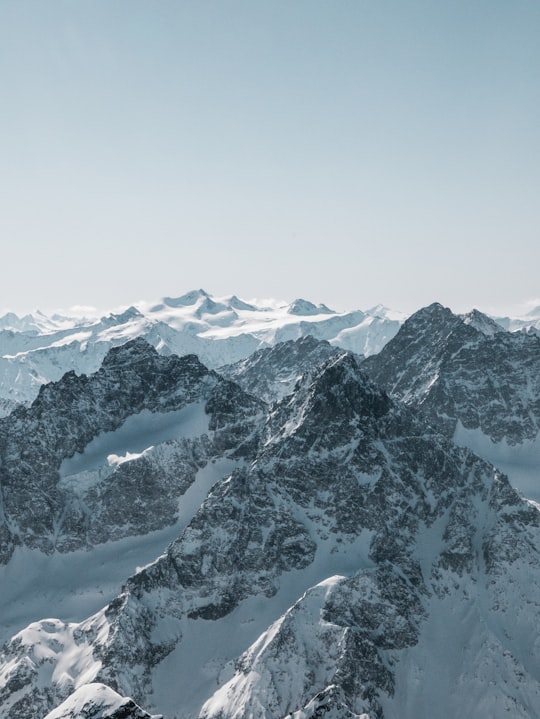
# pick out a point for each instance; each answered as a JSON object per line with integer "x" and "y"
{"x": 272, "y": 373}
{"x": 107, "y": 456}
{"x": 36, "y": 349}
{"x": 474, "y": 381}
{"x": 97, "y": 701}
{"x": 530, "y": 321}
{"x": 332, "y": 553}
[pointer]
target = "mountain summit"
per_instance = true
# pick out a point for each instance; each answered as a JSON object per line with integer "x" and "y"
{"x": 38, "y": 349}
{"x": 347, "y": 549}
{"x": 299, "y": 534}
{"x": 464, "y": 369}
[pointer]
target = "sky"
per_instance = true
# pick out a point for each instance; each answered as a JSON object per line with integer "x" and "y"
{"x": 352, "y": 152}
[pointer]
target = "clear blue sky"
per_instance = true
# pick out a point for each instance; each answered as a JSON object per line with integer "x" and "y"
{"x": 348, "y": 151}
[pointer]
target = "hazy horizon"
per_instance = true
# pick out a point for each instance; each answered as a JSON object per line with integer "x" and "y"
{"x": 351, "y": 153}
{"x": 96, "y": 310}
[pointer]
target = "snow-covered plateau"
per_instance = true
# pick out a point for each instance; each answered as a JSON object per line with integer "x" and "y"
{"x": 214, "y": 509}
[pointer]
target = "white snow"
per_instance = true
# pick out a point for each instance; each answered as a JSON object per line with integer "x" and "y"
{"x": 75, "y": 585}
{"x": 220, "y": 330}
{"x": 520, "y": 462}
{"x": 205, "y": 657}
{"x": 95, "y": 700}
{"x": 135, "y": 437}
{"x": 468, "y": 655}
{"x": 71, "y": 586}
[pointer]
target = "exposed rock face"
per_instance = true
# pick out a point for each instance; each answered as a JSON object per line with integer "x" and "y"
{"x": 46, "y": 507}
{"x": 464, "y": 369}
{"x": 318, "y": 579}
{"x": 336, "y": 636}
{"x": 272, "y": 373}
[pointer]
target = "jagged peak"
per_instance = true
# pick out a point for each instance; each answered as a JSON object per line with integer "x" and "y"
{"x": 126, "y": 315}
{"x": 342, "y": 375}
{"x": 99, "y": 701}
{"x": 379, "y": 310}
{"x": 305, "y": 342}
{"x": 10, "y": 317}
{"x": 434, "y": 310}
{"x": 310, "y": 341}
{"x": 336, "y": 391}
{"x": 208, "y": 306}
{"x": 138, "y": 352}
{"x": 329, "y": 703}
{"x": 435, "y": 316}
{"x": 135, "y": 348}
{"x": 346, "y": 362}
{"x": 433, "y": 321}
{"x": 481, "y": 322}
{"x": 37, "y": 322}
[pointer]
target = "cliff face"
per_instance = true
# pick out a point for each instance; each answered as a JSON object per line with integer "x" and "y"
{"x": 352, "y": 562}
{"x": 464, "y": 370}
{"x": 101, "y": 457}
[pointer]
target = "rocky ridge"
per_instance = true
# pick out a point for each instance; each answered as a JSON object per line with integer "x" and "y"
{"x": 272, "y": 373}
{"x": 37, "y": 349}
{"x": 318, "y": 564}
{"x": 63, "y": 488}
{"x": 464, "y": 370}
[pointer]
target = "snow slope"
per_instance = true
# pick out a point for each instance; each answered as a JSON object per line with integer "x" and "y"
{"x": 331, "y": 555}
{"x": 97, "y": 701}
{"x": 474, "y": 381}
{"x": 37, "y": 348}
{"x": 76, "y": 584}
{"x": 521, "y": 462}
{"x": 354, "y": 563}
{"x": 221, "y": 330}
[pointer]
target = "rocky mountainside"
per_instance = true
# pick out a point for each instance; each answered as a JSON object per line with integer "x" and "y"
{"x": 464, "y": 369}
{"x": 37, "y": 349}
{"x": 110, "y": 455}
{"x": 272, "y": 373}
{"x": 475, "y": 382}
{"x": 353, "y": 563}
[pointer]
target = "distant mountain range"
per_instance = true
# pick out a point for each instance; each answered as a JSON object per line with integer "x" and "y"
{"x": 302, "y": 530}
{"x": 38, "y": 348}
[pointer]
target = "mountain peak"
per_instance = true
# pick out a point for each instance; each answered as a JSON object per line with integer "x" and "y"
{"x": 482, "y": 323}
{"x": 190, "y": 298}
{"x": 238, "y": 304}
{"x": 347, "y": 389}
{"x": 436, "y": 316}
{"x": 434, "y": 310}
{"x": 134, "y": 350}
{"x": 307, "y": 308}
{"x": 436, "y": 322}
{"x": 99, "y": 702}
{"x": 120, "y": 318}
{"x": 337, "y": 393}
